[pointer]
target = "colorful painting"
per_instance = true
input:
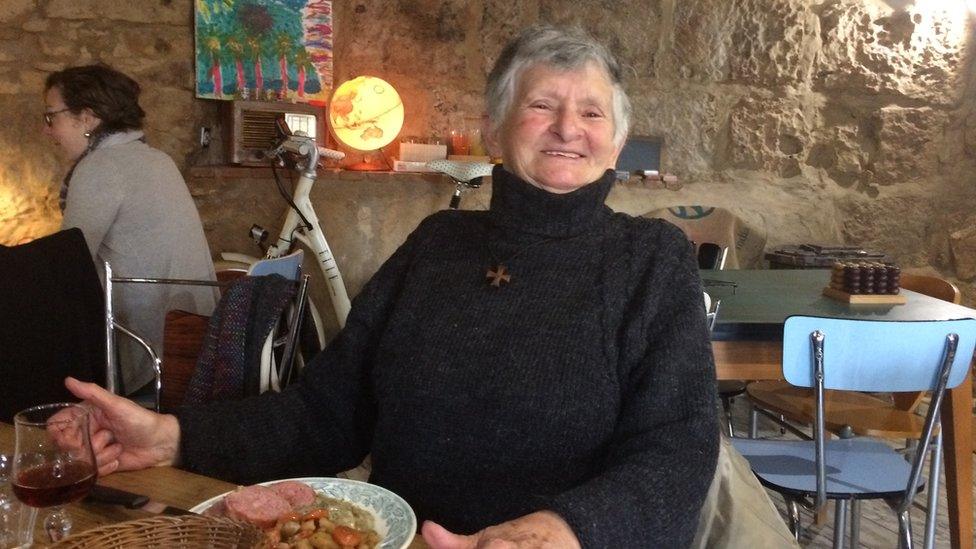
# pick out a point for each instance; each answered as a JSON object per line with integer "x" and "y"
{"x": 267, "y": 50}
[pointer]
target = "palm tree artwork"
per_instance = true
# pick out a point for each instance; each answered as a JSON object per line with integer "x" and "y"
{"x": 235, "y": 45}
{"x": 213, "y": 50}
{"x": 302, "y": 61}
{"x": 254, "y": 48}
{"x": 283, "y": 48}
{"x": 257, "y": 23}
{"x": 276, "y": 49}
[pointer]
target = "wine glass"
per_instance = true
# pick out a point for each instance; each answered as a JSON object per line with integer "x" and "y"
{"x": 16, "y": 519}
{"x": 7, "y": 514}
{"x": 53, "y": 461}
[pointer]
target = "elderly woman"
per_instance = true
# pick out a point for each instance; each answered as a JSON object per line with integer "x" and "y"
{"x": 129, "y": 200}
{"x": 537, "y": 374}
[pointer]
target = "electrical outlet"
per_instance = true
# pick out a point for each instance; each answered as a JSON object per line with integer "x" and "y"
{"x": 205, "y": 137}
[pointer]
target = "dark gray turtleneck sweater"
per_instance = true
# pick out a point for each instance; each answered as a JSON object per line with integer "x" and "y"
{"x": 584, "y": 385}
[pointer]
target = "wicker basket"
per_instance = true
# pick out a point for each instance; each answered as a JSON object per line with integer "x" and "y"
{"x": 186, "y": 531}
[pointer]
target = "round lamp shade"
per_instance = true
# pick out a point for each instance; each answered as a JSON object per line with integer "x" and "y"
{"x": 365, "y": 113}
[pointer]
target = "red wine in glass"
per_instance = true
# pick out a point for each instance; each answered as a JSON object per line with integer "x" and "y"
{"x": 52, "y": 484}
{"x": 53, "y": 461}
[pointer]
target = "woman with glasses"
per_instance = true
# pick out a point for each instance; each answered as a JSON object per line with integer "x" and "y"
{"x": 129, "y": 200}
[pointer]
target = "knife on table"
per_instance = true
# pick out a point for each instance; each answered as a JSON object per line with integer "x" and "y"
{"x": 129, "y": 500}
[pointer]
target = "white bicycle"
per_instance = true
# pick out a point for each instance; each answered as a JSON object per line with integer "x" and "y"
{"x": 301, "y": 224}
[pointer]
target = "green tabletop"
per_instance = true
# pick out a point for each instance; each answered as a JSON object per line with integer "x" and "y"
{"x": 761, "y": 300}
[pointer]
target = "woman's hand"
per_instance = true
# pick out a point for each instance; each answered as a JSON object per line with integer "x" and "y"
{"x": 542, "y": 529}
{"x": 124, "y": 435}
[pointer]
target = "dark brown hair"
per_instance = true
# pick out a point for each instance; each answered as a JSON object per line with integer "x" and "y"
{"x": 110, "y": 94}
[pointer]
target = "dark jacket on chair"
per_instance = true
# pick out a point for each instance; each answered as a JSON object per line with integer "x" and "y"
{"x": 51, "y": 321}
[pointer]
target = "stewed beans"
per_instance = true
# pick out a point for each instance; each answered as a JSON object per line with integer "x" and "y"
{"x": 329, "y": 523}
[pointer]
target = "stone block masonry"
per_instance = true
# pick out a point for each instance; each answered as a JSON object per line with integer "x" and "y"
{"x": 837, "y": 122}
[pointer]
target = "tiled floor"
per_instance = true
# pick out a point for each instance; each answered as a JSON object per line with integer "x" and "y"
{"x": 879, "y": 526}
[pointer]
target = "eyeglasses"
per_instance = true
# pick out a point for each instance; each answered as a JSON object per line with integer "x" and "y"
{"x": 49, "y": 116}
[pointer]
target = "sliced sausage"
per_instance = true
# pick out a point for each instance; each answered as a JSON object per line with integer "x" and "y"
{"x": 297, "y": 493}
{"x": 258, "y": 505}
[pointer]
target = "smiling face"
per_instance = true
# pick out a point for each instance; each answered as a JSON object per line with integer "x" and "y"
{"x": 558, "y": 134}
{"x": 67, "y": 129}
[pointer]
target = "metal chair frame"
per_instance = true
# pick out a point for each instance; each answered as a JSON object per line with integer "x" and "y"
{"x": 711, "y": 255}
{"x": 112, "y": 326}
{"x": 949, "y": 365}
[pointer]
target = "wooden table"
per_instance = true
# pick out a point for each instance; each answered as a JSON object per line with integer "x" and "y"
{"x": 747, "y": 343}
{"x": 164, "y": 484}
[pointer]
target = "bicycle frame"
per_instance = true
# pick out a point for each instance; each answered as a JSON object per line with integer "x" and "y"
{"x": 294, "y": 227}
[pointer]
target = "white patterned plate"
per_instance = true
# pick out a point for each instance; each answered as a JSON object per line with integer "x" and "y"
{"x": 393, "y": 518}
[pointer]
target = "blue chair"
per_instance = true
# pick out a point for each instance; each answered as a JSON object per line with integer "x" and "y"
{"x": 288, "y": 266}
{"x": 861, "y": 355}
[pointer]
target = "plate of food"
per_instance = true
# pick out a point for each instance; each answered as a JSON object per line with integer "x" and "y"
{"x": 322, "y": 511}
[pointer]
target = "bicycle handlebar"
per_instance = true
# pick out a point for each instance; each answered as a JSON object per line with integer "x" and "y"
{"x": 298, "y": 144}
{"x": 331, "y": 154}
{"x": 305, "y": 146}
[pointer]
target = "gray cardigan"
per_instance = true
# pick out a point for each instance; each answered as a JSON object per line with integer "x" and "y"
{"x": 133, "y": 206}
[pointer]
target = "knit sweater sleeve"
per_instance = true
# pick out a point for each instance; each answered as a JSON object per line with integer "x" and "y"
{"x": 321, "y": 425}
{"x": 657, "y": 469}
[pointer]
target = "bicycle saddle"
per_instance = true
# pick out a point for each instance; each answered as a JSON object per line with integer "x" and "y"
{"x": 461, "y": 171}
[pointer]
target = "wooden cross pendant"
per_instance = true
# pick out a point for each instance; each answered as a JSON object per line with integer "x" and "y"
{"x": 497, "y": 276}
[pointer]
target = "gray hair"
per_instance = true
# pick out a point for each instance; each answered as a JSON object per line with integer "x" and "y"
{"x": 562, "y": 48}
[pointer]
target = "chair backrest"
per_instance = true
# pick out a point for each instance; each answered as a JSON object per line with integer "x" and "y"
{"x": 183, "y": 338}
{"x": 931, "y": 286}
{"x": 50, "y": 314}
{"x": 712, "y": 256}
{"x": 876, "y": 355}
{"x": 740, "y": 232}
{"x": 711, "y": 310}
{"x": 229, "y": 364}
{"x": 288, "y": 266}
{"x": 184, "y": 333}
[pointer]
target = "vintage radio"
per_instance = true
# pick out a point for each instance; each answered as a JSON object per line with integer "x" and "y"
{"x": 249, "y": 127}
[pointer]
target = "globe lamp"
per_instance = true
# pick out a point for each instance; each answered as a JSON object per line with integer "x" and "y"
{"x": 365, "y": 115}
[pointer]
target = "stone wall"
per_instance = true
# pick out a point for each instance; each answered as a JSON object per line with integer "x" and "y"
{"x": 832, "y": 120}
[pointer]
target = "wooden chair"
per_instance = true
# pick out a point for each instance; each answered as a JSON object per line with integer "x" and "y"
{"x": 851, "y": 412}
{"x": 184, "y": 332}
{"x": 183, "y": 335}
